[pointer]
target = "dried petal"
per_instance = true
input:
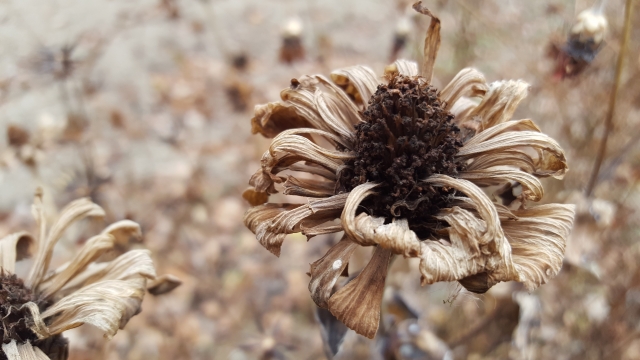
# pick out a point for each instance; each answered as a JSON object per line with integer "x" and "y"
{"x": 538, "y": 237}
{"x": 254, "y": 197}
{"x": 94, "y": 247}
{"x": 73, "y": 212}
{"x": 499, "y": 104}
{"x": 14, "y": 247}
{"x": 401, "y": 67}
{"x": 107, "y": 305}
{"x": 123, "y": 231}
{"x": 163, "y": 284}
{"x": 326, "y": 270}
{"x": 497, "y": 175}
{"x": 25, "y": 351}
{"x": 431, "y": 42}
{"x": 358, "y": 81}
{"x": 468, "y": 82}
{"x": 357, "y": 304}
{"x": 273, "y": 118}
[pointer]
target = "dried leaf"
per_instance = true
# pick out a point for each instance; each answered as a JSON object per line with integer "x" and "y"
{"x": 331, "y": 330}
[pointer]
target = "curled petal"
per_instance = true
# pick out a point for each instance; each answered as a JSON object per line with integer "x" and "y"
{"x": 468, "y": 82}
{"x": 124, "y": 230}
{"x": 496, "y": 175}
{"x": 401, "y": 67}
{"x": 538, "y": 237}
{"x": 357, "y": 304}
{"x": 308, "y": 187}
{"x": 326, "y": 270}
{"x": 163, "y": 284}
{"x": 273, "y": 118}
{"x": 358, "y": 81}
{"x": 24, "y": 351}
{"x": 272, "y": 222}
{"x": 549, "y": 158}
{"x": 14, "y": 247}
{"x": 94, "y": 247}
{"x": 73, "y": 212}
{"x": 500, "y": 102}
{"x": 368, "y": 230}
{"x": 476, "y": 247}
{"x": 107, "y": 305}
{"x": 331, "y": 111}
{"x": 254, "y": 197}
{"x": 431, "y": 42}
{"x": 468, "y": 254}
{"x": 132, "y": 264}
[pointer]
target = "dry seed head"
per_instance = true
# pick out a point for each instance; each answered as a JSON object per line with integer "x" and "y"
{"x": 406, "y": 136}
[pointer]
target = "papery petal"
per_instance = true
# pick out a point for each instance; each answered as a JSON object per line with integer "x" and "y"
{"x": 94, "y": 247}
{"x": 401, "y": 67}
{"x": 24, "y": 351}
{"x": 544, "y": 157}
{"x": 358, "y": 81}
{"x": 73, "y": 212}
{"x": 132, "y": 264}
{"x": 14, "y": 247}
{"x": 123, "y": 231}
{"x": 107, "y": 305}
{"x": 254, "y": 197}
{"x": 272, "y": 118}
{"x": 468, "y": 82}
{"x": 163, "y": 284}
{"x": 476, "y": 246}
{"x": 431, "y": 42}
{"x": 497, "y": 175}
{"x": 326, "y": 270}
{"x": 308, "y": 187}
{"x": 538, "y": 237}
{"x": 368, "y": 230}
{"x": 357, "y": 304}
{"x": 500, "y": 102}
{"x": 272, "y": 222}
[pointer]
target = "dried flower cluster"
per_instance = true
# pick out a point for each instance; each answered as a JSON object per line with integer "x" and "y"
{"x": 412, "y": 171}
{"x": 36, "y": 311}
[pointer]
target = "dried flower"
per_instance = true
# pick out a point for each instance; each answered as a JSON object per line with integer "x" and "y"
{"x": 106, "y": 295}
{"x": 584, "y": 42}
{"x": 410, "y": 171}
{"x": 292, "y": 49}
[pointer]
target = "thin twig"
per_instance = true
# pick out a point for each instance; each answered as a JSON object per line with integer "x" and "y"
{"x": 608, "y": 122}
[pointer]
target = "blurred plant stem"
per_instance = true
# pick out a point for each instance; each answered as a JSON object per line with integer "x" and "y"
{"x": 608, "y": 122}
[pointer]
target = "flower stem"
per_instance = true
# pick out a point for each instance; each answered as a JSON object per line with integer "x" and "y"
{"x": 608, "y": 122}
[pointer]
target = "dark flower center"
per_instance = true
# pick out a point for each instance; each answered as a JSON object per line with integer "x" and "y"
{"x": 16, "y": 322}
{"x": 406, "y": 136}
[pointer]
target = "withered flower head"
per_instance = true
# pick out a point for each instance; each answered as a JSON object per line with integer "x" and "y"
{"x": 410, "y": 170}
{"x": 36, "y": 311}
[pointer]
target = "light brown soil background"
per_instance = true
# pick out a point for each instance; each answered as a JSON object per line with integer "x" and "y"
{"x": 144, "y": 124}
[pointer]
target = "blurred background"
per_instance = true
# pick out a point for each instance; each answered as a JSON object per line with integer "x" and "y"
{"x": 145, "y": 107}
